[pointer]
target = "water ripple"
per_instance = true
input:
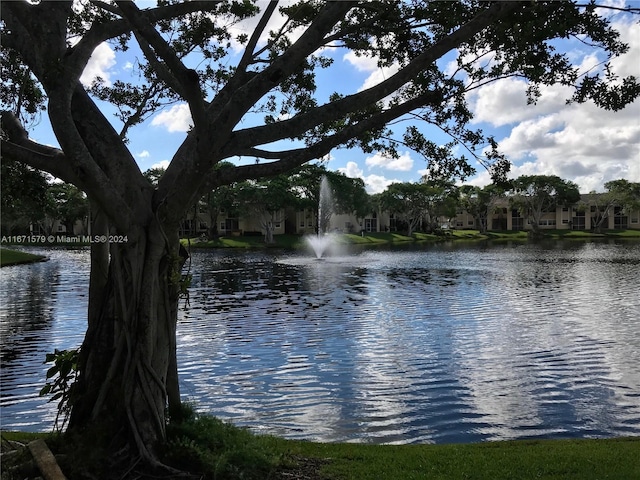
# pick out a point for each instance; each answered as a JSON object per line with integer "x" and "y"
{"x": 435, "y": 344}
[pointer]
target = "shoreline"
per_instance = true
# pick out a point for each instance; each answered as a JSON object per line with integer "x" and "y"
{"x": 10, "y": 258}
{"x": 553, "y": 459}
{"x": 297, "y": 241}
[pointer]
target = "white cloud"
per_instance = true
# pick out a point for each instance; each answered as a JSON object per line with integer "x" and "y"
{"x": 370, "y": 64}
{"x": 379, "y": 76}
{"x": 373, "y": 183}
{"x": 248, "y": 26}
{"x": 377, "y": 183}
{"x": 361, "y": 62}
{"x": 625, "y": 65}
{"x": 578, "y": 142}
{"x": 581, "y": 143}
{"x": 176, "y": 119}
{"x": 404, "y": 163}
{"x": 352, "y": 170}
{"x": 504, "y": 102}
{"x": 162, "y": 164}
{"x": 143, "y": 154}
{"x": 101, "y": 60}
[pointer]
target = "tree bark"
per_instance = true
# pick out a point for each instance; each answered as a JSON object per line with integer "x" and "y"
{"x": 128, "y": 357}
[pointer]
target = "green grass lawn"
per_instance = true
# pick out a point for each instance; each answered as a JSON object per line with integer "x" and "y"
{"x": 214, "y": 449}
{"x": 251, "y": 241}
{"x": 380, "y": 238}
{"x": 543, "y": 459}
{"x": 13, "y": 257}
{"x": 374, "y": 238}
{"x": 558, "y": 234}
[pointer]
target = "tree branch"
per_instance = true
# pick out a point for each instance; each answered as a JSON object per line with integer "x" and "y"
{"x": 303, "y": 122}
{"x": 16, "y": 145}
{"x": 161, "y": 70}
{"x": 248, "y": 53}
{"x": 83, "y": 164}
{"x": 629, "y": 9}
{"x": 104, "y": 31}
{"x": 176, "y": 188}
{"x": 187, "y": 79}
{"x": 293, "y": 158}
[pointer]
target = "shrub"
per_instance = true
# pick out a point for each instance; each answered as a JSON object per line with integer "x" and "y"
{"x": 216, "y": 449}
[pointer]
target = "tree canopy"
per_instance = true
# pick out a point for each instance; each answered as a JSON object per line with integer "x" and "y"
{"x": 535, "y": 195}
{"x": 277, "y": 76}
{"x": 24, "y": 195}
{"x": 479, "y": 202}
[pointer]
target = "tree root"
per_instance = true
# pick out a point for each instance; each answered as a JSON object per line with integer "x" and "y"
{"x": 45, "y": 460}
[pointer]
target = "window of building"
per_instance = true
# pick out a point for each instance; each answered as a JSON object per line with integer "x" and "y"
{"x": 231, "y": 224}
{"x": 370, "y": 224}
{"x": 517, "y": 224}
{"x": 620, "y": 223}
{"x": 546, "y": 222}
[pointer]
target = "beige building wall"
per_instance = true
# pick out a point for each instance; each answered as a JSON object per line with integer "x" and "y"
{"x": 578, "y": 217}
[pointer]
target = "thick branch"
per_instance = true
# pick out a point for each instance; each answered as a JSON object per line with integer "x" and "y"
{"x": 105, "y": 145}
{"x": 302, "y": 123}
{"x": 17, "y": 146}
{"x": 188, "y": 79}
{"x": 178, "y": 186}
{"x": 161, "y": 69}
{"x": 296, "y": 157}
{"x": 104, "y": 31}
{"x": 286, "y": 64}
{"x": 83, "y": 165}
{"x": 248, "y": 53}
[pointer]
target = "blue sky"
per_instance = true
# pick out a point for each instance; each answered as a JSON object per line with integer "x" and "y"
{"x": 580, "y": 143}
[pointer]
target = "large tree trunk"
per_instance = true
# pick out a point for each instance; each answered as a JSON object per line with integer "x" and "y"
{"x": 128, "y": 357}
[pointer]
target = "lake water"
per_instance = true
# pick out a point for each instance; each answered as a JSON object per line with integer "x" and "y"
{"x": 432, "y": 344}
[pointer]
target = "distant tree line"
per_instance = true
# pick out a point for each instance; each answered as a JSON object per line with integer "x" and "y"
{"x": 30, "y": 198}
